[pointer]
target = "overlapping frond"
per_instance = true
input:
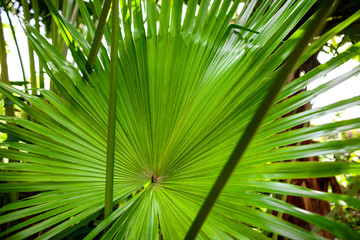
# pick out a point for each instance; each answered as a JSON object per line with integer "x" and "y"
{"x": 189, "y": 84}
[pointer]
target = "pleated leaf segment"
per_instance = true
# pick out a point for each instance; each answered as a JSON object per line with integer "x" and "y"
{"x": 190, "y": 77}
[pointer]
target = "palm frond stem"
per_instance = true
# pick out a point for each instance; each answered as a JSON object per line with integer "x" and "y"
{"x": 33, "y": 81}
{"x": 289, "y": 66}
{"x": 37, "y": 27}
{"x": 54, "y": 37}
{"x": 74, "y": 13}
{"x": 98, "y": 35}
{"x": 112, "y": 109}
{"x": 9, "y": 108}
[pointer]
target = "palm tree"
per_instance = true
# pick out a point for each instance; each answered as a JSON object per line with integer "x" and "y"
{"x": 185, "y": 86}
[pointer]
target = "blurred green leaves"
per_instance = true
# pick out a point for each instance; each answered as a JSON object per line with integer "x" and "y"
{"x": 185, "y": 96}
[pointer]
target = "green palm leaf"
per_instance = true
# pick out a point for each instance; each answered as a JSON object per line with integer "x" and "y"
{"x": 188, "y": 85}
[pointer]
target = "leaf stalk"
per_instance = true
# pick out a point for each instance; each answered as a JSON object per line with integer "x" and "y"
{"x": 98, "y": 35}
{"x": 289, "y": 66}
{"x": 112, "y": 109}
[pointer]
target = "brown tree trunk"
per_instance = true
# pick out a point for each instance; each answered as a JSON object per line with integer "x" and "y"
{"x": 319, "y": 184}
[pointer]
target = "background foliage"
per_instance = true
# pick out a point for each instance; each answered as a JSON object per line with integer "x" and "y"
{"x": 188, "y": 86}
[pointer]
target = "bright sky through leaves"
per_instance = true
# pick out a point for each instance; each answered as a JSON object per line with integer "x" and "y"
{"x": 348, "y": 89}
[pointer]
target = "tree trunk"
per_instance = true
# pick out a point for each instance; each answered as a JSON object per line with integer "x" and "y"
{"x": 319, "y": 184}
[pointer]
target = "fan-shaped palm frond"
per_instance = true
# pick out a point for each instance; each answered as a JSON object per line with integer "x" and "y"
{"x": 188, "y": 85}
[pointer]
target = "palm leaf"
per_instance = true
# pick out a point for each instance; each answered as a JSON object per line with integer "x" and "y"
{"x": 187, "y": 89}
